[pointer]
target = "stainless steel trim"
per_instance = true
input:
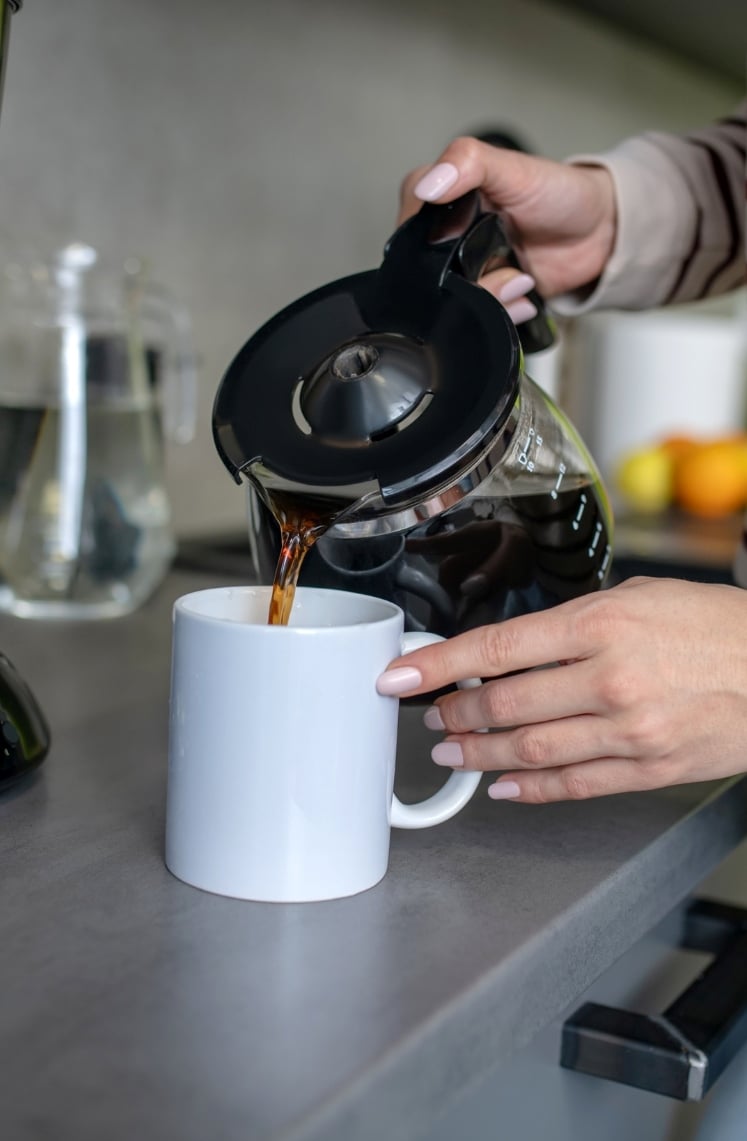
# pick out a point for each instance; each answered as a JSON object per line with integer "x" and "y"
{"x": 367, "y": 513}
{"x": 682, "y": 1052}
{"x": 375, "y": 519}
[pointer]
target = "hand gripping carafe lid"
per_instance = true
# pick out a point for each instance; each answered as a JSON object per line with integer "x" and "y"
{"x": 397, "y": 379}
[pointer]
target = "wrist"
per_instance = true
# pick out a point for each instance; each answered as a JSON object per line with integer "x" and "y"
{"x": 603, "y": 212}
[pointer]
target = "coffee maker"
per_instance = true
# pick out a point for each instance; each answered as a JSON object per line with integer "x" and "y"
{"x": 397, "y": 400}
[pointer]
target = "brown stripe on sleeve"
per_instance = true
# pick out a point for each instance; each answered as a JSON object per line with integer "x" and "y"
{"x": 732, "y": 218}
{"x": 689, "y": 258}
{"x": 735, "y": 145}
{"x": 718, "y": 192}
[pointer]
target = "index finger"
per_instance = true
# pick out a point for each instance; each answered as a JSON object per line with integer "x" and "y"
{"x": 522, "y": 643}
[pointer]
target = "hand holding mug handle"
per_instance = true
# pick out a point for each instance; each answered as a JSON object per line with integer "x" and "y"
{"x": 458, "y": 789}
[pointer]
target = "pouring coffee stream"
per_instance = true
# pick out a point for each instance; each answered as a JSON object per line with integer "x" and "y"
{"x": 301, "y": 524}
{"x": 385, "y": 423}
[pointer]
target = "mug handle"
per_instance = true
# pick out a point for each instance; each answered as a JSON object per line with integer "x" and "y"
{"x": 459, "y": 788}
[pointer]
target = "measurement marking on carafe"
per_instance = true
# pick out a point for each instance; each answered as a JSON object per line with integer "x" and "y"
{"x": 561, "y": 472}
{"x": 532, "y": 440}
{"x": 580, "y": 513}
{"x": 595, "y": 540}
{"x": 605, "y": 562}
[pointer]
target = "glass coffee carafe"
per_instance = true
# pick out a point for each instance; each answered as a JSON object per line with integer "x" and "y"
{"x": 388, "y": 417}
{"x": 96, "y": 372}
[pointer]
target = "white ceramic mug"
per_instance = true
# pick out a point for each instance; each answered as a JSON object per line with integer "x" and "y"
{"x": 281, "y": 752}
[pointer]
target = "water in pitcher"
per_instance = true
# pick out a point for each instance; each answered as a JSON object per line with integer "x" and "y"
{"x": 84, "y": 517}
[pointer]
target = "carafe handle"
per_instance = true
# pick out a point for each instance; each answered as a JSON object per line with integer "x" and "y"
{"x": 456, "y": 237}
{"x": 485, "y": 246}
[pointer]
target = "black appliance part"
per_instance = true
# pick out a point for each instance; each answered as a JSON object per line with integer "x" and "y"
{"x": 399, "y": 376}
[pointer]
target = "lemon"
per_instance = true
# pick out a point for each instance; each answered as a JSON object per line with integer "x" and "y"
{"x": 644, "y": 479}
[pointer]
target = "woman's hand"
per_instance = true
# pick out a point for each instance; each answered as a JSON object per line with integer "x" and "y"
{"x": 561, "y": 218}
{"x": 651, "y": 690}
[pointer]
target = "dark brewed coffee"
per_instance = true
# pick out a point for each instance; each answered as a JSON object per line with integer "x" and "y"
{"x": 302, "y": 520}
{"x": 485, "y": 560}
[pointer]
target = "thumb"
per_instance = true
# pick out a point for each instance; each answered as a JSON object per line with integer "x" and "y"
{"x": 505, "y": 177}
{"x": 408, "y": 203}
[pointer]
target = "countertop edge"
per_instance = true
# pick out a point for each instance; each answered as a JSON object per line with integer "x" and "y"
{"x": 503, "y": 1011}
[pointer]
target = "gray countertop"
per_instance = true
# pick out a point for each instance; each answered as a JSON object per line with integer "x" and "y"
{"x": 134, "y": 1005}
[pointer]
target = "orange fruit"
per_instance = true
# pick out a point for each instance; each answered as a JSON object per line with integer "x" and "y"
{"x": 676, "y": 447}
{"x": 711, "y": 479}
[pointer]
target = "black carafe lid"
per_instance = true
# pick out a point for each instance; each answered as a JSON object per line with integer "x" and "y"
{"x": 400, "y": 377}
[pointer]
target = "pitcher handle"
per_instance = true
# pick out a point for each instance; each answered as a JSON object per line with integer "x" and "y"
{"x": 180, "y": 373}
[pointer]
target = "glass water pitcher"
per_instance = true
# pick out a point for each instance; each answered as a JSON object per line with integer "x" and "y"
{"x": 96, "y": 373}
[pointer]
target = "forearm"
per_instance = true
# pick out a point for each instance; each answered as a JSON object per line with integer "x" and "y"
{"x": 680, "y": 219}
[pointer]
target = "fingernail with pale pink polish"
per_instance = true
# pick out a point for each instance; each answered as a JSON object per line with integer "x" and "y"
{"x": 448, "y": 753}
{"x": 436, "y": 182}
{"x": 521, "y": 310}
{"x": 432, "y": 718}
{"x": 516, "y": 287}
{"x": 394, "y": 683}
{"x": 504, "y": 790}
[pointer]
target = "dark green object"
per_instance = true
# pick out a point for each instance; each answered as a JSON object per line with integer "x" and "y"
{"x": 24, "y": 733}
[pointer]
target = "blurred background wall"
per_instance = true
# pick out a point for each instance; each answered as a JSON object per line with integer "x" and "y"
{"x": 253, "y": 150}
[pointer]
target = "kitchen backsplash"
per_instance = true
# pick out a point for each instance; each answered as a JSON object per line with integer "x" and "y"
{"x": 254, "y": 150}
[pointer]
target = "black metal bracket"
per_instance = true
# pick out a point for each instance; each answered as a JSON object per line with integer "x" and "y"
{"x": 681, "y": 1052}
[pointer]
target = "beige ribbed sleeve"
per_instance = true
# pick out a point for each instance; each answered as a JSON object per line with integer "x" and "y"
{"x": 680, "y": 218}
{"x": 680, "y": 226}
